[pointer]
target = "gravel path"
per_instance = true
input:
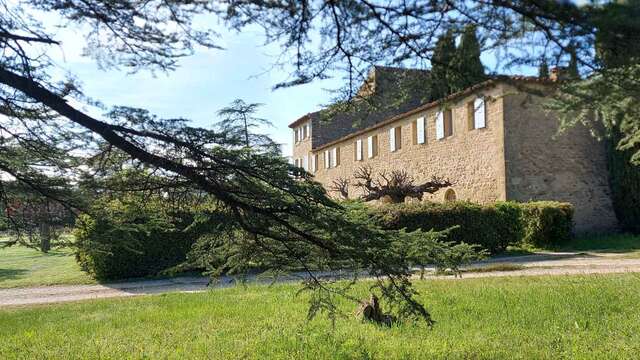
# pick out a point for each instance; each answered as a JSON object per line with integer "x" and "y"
{"x": 531, "y": 265}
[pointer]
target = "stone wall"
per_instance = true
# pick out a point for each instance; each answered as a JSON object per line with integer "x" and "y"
{"x": 472, "y": 159}
{"x": 544, "y": 165}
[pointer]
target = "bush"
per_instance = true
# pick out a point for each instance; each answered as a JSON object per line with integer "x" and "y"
{"x": 546, "y": 223}
{"x": 494, "y": 226}
{"x": 131, "y": 238}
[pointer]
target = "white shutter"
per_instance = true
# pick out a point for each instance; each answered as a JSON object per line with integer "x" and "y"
{"x": 440, "y": 125}
{"x": 370, "y": 147}
{"x": 359, "y": 149}
{"x": 420, "y": 130}
{"x": 392, "y": 139}
{"x": 326, "y": 159}
{"x": 314, "y": 166}
{"x": 305, "y": 162}
{"x": 479, "y": 114}
{"x": 334, "y": 157}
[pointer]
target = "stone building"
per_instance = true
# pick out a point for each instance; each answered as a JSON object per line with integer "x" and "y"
{"x": 494, "y": 141}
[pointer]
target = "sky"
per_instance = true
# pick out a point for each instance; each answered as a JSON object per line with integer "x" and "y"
{"x": 203, "y": 83}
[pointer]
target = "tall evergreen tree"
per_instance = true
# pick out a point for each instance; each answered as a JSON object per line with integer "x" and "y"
{"x": 467, "y": 66}
{"x": 442, "y": 65}
{"x": 543, "y": 69}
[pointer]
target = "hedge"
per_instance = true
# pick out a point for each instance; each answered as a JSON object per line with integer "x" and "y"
{"x": 494, "y": 226}
{"x": 130, "y": 238}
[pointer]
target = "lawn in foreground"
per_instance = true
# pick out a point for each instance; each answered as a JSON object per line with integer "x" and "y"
{"x": 22, "y": 267}
{"x": 592, "y": 316}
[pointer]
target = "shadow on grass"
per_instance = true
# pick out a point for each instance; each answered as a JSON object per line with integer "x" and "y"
{"x": 11, "y": 274}
{"x": 612, "y": 243}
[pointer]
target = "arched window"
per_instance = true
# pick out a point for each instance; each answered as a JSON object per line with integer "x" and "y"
{"x": 450, "y": 195}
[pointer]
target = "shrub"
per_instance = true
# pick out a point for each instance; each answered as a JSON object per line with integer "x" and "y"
{"x": 131, "y": 238}
{"x": 546, "y": 223}
{"x": 494, "y": 226}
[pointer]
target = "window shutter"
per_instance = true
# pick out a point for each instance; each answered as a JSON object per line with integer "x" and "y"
{"x": 392, "y": 139}
{"x": 479, "y": 114}
{"x": 314, "y": 162}
{"x": 420, "y": 130}
{"x": 370, "y": 147}
{"x": 326, "y": 159}
{"x": 440, "y": 125}
{"x": 359, "y": 150}
{"x": 334, "y": 157}
{"x": 305, "y": 162}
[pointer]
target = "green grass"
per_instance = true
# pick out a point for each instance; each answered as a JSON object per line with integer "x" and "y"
{"x": 572, "y": 317}
{"x": 22, "y": 267}
{"x": 614, "y": 243}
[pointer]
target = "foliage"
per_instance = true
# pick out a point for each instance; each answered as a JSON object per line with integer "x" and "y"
{"x": 467, "y": 66}
{"x": 238, "y": 125}
{"x": 441, "y": 68}
{"x": 547, "y": 223}
{"x": 624, "y": 179}
{"x": 493, "y": 227}
{"x": 131, "y": 237}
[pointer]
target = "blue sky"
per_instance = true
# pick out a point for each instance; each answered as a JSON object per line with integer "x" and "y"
{"x": 203, "y": 83}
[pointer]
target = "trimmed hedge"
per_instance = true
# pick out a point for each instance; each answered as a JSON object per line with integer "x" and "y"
{"x": 131, "y": 238}
{"x": 494, "y": 226}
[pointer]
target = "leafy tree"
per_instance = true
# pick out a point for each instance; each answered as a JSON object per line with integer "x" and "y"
{"x": 289, "y": 222}
{"x": 238, "y": 123}
{"x": 467, "y": 66}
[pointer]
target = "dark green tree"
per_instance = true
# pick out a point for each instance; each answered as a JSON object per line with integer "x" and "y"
{"x": 467, "y": 66}
{"x": 443, "y": 65}
{"x": 239, "y": 123}
{"x": 543, "y": 69}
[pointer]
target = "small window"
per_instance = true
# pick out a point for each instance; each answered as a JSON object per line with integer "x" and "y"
{"x": 358, "y": 150}
{"x": 479, "y": 114}
{"x": 327, "y": 159}
{"x": 314, "y": 162}
{"x": 335, "y": 157}
{"x": 372, "y": 146}
{"x": 418, "y": 131}
{"x": 444, "y": 124}
{"x": 395, "y": 138}
{"x": 450, "y": 195}
{"x": 295, "y": 135}
{"x": 304, "y": 132}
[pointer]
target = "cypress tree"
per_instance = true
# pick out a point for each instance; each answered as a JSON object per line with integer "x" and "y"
{"x": 543, "y": 69}
{"x": 442, "y": 65}
{"x": 468, "y": 69}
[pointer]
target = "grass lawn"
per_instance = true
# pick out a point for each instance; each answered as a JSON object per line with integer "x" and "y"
{"x": 21, "y": 267}
{"x": 569, "y": 317}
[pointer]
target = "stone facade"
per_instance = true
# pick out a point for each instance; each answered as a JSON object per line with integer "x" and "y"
{"x": 515, "y": 156}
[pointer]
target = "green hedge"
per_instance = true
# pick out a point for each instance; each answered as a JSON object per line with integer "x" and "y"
{"x": 546, "y": 223}
{"x": 131, "y": 238}
{"x": 494, "y": 226}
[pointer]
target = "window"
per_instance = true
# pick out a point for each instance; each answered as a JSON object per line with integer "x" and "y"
{"x": 444, "y": 124}
{"x": 449, "y": 195}
{"x": 314, "y": 162}
{"x": 418, "y": 131}
{"x": 327, "y": 159}
{"x": 335, "y": 157}
{"x": 372, "y": 146}
{"x": 479, "y": 114}
{"x": 305, "y": 131}
{"x": 358, "y": 150}
{"x": 305, "y": 162}
{"x": 395, "y": 138}
{"x": 295, "y": 136}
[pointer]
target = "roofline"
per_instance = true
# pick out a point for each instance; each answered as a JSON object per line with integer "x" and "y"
{"x": 299, "y": 120}
{"x": 430, "y": 105}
